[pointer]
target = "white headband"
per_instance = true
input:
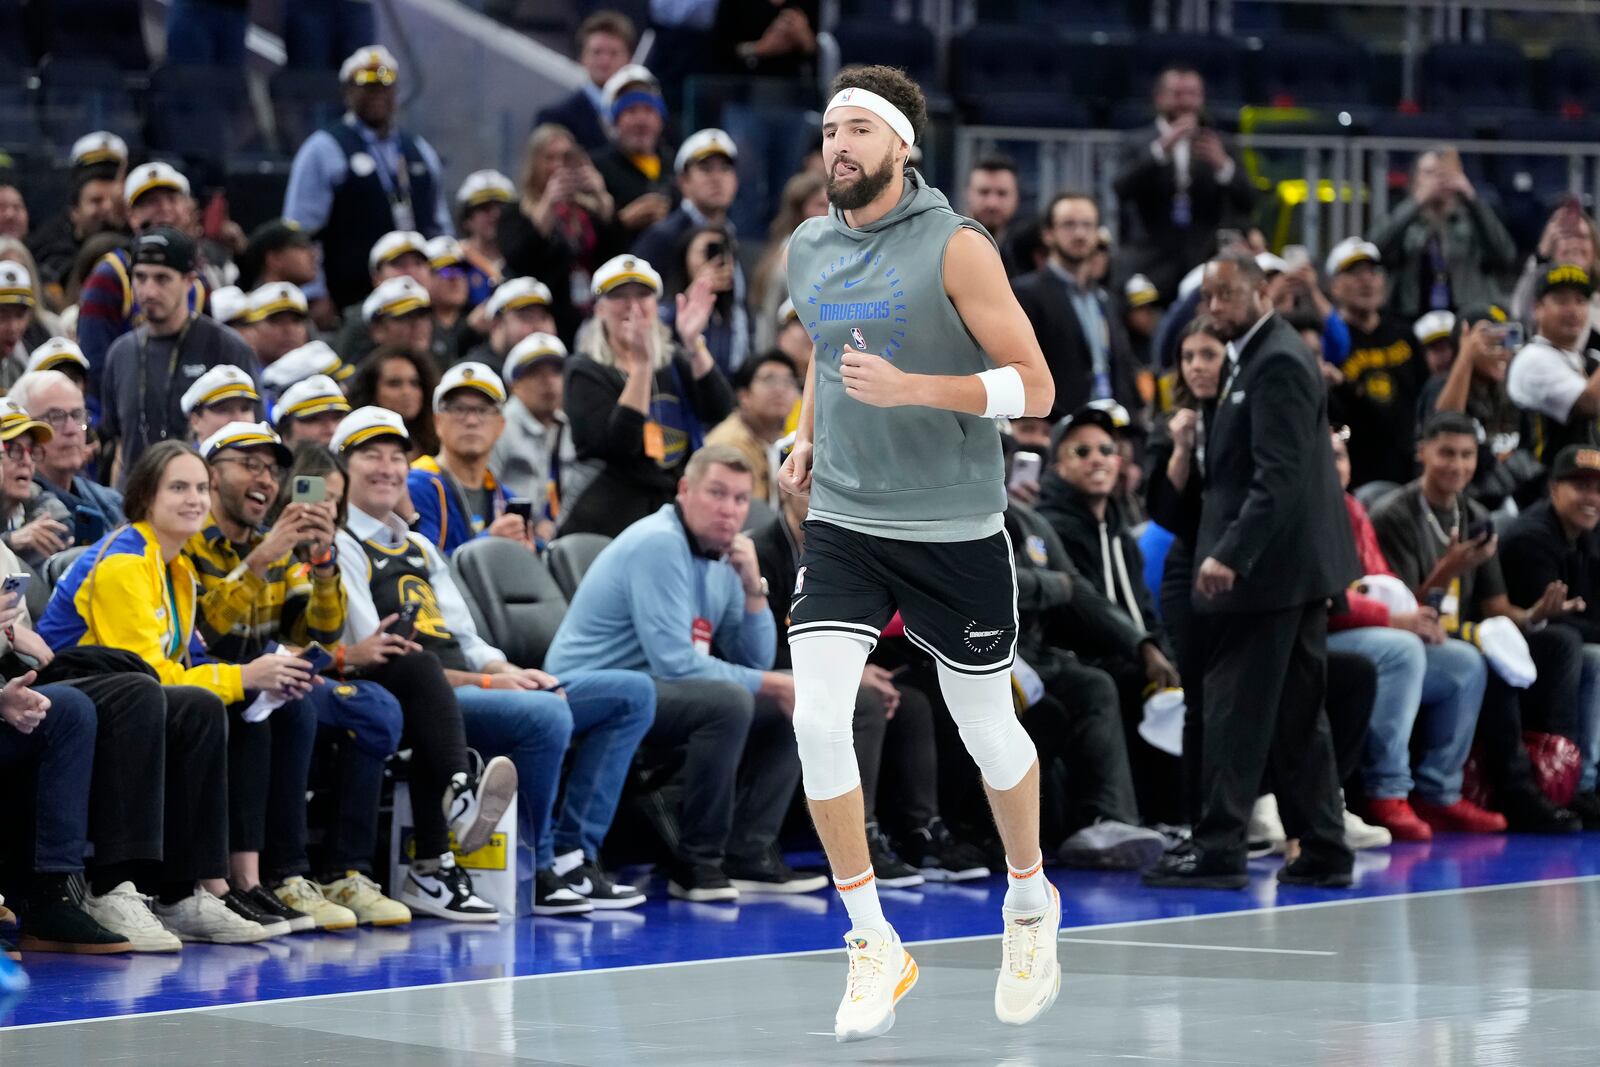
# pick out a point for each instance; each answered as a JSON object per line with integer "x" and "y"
{"x": 867, "y": 100}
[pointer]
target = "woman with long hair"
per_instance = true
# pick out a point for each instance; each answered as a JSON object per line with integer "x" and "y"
{"x": 804, "y": 196}
{"x": 402, "y": 381}
{"x": 706, "y": 255}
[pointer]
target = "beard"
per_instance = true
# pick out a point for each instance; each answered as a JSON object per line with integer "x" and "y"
{"x": 866, "y": 187}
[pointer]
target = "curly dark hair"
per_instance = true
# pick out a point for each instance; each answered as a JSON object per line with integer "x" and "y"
{"x": 891, "y": 83}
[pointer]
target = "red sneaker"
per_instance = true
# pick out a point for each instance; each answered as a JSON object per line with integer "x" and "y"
{"x": 1463, "y": 816}
{"x": 1395, "y": 815}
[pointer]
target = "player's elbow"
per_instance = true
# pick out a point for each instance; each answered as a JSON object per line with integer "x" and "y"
{"x": 1040, "y": 391}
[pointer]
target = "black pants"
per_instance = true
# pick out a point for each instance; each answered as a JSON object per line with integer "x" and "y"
{"x": 1550, "y": 704}
{"x": 1190, "y": 640}
{"x": 268, "y": 764}
{"x": 1079, "y": 723}
{"x": 1352, "y": 687}
{"x": 902, "y": 755}
{"x": 1157, "y": 776}
{"x": 1264, "y": 686}
{"x": 740, "y": 772}
{"x": 434, "y": 734}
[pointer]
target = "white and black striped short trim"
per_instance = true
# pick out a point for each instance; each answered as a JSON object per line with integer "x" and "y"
{"x": 853, "y": 630}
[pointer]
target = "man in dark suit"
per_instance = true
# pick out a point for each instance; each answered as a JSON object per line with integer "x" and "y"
{"x": 605, "y": 41}
{"x": 1084, "y": 342}
{"x": 1275, "y": 546}
{"x": 1177, "y": 185}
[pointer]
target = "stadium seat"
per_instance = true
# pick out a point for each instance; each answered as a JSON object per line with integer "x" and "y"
{"x": 1014, "y": 76}
{"x": 19, "y": 126}
{"x": 761, "y": 513}
{"x": 1307, "y": 71}
{"x": 201, "y": 113}
{"x": 303, "y": 101}
{"x": 899, "y": 44}
{"x": 77, "y": 94}
{"x": 1220, "y": 60}
{"x": 520, "y": 604}
{"x": 107, "y": 30}
{"x": 571, "y": 556}
{"x": 1572, "y": 80}
{"x": 53, "y": 568}
{"x": 1491, "y": 75}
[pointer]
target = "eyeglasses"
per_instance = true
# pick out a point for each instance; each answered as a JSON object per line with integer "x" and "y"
{"x": 378, "y": 76}
{"x": 255, "y": 465}
{"x": 778, "y": 381}
{"x": 459, "y": 410}
{"x": 17, "y": 451}
{"x": 1085, "y": 451}
{"x": 60, "y": 420}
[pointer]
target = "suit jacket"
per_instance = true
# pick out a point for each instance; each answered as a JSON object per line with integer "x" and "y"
{"x": 1272, "y": 508}
{"x": 578, "y": 115}
{"x": 1046, "y": 299}
{"x": 1145, "y": 186}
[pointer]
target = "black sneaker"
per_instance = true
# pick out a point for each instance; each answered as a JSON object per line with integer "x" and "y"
{"x": 56, "y": 922}
{"x": 267, "y": 903}
{"x": 552, "y": 896}
{"x": 940, "y": 857}
{"x": 770, "y": 874}
{"x": 1187, "y": 867}
{"x": 1586, "y": 806}
{"x": 590, "y": 882}
{"x": 1533, "y": 813}
{"x": 241, "y": 905}
{"x": 890, "y": 870}
{"x": 1306, "y": 871}
{"x": 699, "y": 882}
{"x": 446, "y": 893}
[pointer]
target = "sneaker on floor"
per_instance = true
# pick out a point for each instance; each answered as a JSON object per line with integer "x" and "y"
{"x": 8, "y": 932}
{"x": 1533, "y": 813}
{"x": 588, "y": 881}
{"x": 125, "y": 912}
{"x": 365, "y": 900}
{"x": 881, "y": 972}
{"x": 699, "y": 882}
{"x": 1586, "y": 806}
{"x": 1359, "y": 834}
{"x": 1030, "y": 975}
{"x": 1187, "y": 867}
{"x": 891, "y": 871}
{"x": 57, "y": 922}
{"x": 1308, "y": 872}
{"x": 1265, "y": 835}
{"x": 1462, "y": 817}
{"x": 934, "y": 851}
{"x": 304, "y": 897}
{"x": 201, "y": 916}
{"x": 771, "y": 874}
{"x": 1110, "y": 845}
{"x": 1396, "y": 815}
{"x": 474, "y": 802}
{"x": 243, "y": 906}
{"x": 267, "y": 903}
{"x": 446, "y": 893}
{"x": 553, "y": 896}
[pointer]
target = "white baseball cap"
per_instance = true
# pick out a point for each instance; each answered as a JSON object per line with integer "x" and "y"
{"x": 532, "y": 350}
{"x": 274, "y": 297}
{"x": 101, "y": 146}
{"x": 149, "y": 176}
{"x": 297, "y": 364}
{"x": 54, "y": 352}
{"x": 1140, "y": 291}
{"x": 372, "y": 57}
{"x": 310, "y": 396}
{"x": 247, "y": 435}
{"x": 1349, "y": 252}
{"x": 1271, "y": 264}
{"x": 395, "y": 296}
{"x": 229, "y": 304}
{"x": 222, "y": 382}
{"x": 703, "y": 144}
{"x": 470, "y": 375}
{"x": 16, "y": 284}
{"x": 485, "y": 187}
{"x": 367, "y": 424}
{"x": 1434, "y": 326}
{"x": 620, "y": 270}
{"x": 518, "y": 293}
{"x": 395, "y": 244}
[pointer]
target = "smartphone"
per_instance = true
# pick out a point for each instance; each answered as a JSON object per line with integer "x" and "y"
{"x": 15, "y": 583}
{"x": 1511, "y": 336}
{"x": 308, "y": 489}
{"x": 1025, "y": 469}
{"x": 1296, "y": 256}
{"x": 1480, "y": 531}
{"x": 86, "y": 526}
{"x": 716, "y": 249}
{"x": 406, "y": 625}
{"x": 520, "y": 506}
{"x": 317, "y": 656}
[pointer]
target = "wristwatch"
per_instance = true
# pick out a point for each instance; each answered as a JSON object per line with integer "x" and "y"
{"x": 766, "y": 589}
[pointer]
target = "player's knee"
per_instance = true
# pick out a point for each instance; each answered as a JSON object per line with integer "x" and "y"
{"x": 982, "y": 709}
{"x": 825, "y": 736}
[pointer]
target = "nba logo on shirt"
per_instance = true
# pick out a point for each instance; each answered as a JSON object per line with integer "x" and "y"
{"x": 856, "y": 336}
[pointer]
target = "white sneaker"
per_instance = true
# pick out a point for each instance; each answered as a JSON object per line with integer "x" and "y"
{"x": 881, "y": 972}
{"x": 123, "y": 911}
{"x": 203, "y": 917}
{"x": 1359, "y": 834}
{"x": 446, "y": 893}
{"x": 304, "y": 895}
{"x": 362, "y": 896}
{"x": 1265, "y": 835}
{"x": 473, "y": 804}
{"x": 1110, "y": 845}
{"x": 1030, "y": 976}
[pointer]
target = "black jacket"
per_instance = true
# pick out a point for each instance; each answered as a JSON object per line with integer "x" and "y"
{"x": 630, "y": 484}
{"x": 1176, "y": 510}
{"x": 577, "y": 114}
{"x": 1045, "y": 297}
{"x": 1534, "y": 551}
{"x": 552, "y": 260}
{"x": 778, "y": 557}
{"x": 627, "y": 183}
{"x": 1094, "y": 556}
{"x": 1272, "y": 509}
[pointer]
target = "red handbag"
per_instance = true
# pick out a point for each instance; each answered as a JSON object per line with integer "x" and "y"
{"x": 1555, "y": 762}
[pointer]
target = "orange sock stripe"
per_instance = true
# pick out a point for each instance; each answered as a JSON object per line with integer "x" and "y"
{"x": 1029, "y": 873}
{"x": 845, "y": 887}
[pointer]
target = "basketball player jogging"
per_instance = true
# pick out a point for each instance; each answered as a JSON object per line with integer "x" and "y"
{"x": 920, "y": 347}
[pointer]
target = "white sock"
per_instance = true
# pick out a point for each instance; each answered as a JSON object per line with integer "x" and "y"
{"x": 1026, "y": 890}
{"x": 860, "y": 895}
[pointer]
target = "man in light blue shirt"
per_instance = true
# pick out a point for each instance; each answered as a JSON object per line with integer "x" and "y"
{"x": 679, "y": 595}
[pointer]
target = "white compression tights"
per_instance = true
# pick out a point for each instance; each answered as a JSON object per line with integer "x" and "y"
{"x": 827, "y": 673}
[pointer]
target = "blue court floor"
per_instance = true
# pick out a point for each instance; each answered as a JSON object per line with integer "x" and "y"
{"x": 432, "y": 953}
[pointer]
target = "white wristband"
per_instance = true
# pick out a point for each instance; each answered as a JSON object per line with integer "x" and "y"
{"x": 1007, "y": 398}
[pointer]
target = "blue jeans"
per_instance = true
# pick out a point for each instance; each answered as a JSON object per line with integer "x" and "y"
{"x": 62, "y": 751}
{"x": 1589, "y": 720}
{"x": 605, "y": 712}
{"x": 1449, "y": 680}
{"x": 368, "y": 723}
{"x": 205, "y": 35}
{"x": 321, "y": 33}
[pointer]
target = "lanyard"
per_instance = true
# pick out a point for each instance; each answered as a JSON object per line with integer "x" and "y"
{"x": 176, "y": 645}
{"x": 396, "y": 182}
{"x": 143, "y": 424}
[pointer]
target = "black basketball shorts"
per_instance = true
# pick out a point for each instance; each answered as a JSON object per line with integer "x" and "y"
{"x": 958, "y": 599}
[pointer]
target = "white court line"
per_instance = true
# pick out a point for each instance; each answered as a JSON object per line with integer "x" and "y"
{"x": 1281, "y": 908}
{"x": 1207, "y": 948}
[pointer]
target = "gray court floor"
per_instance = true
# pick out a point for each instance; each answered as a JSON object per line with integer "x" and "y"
{"x": 1479, "y": 977}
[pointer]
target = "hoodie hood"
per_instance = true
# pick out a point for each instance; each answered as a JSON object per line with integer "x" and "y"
{"x": 917, "y": 198}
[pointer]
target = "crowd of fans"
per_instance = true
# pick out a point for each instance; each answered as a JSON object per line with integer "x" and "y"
{"x": 239, "y": 489}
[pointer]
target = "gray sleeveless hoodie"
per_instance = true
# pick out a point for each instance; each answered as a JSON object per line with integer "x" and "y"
{"x": 910, "y": 473}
